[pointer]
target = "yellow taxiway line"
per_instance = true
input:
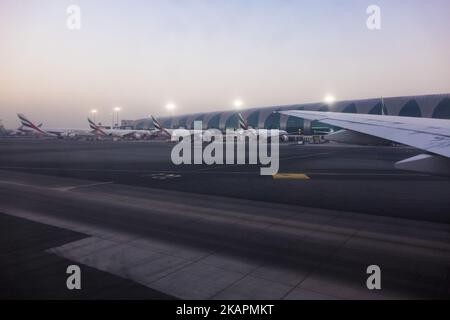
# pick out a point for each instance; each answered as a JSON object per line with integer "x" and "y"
{"x": 290, "y": 176}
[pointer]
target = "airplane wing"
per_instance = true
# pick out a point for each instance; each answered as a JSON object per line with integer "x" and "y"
{"x": 432, "y": 135}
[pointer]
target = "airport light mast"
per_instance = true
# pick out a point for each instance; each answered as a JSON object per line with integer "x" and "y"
{"x": 116, "y": 116}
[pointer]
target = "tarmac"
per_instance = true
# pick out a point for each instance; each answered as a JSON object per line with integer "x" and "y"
{"x": 122, "y": 209}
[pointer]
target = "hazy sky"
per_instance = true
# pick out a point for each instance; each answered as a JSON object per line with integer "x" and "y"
{"x": 204, "y": 54}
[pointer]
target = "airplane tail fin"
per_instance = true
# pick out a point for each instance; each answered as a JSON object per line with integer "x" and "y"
{"x": 243, "y": 124}
{"x": 28, "y": 124}
{"x": 96, "y": 128}
{"x": 24, "y": 121}
{"x": 92, "y": 124}
{"x": 159, "y": 126}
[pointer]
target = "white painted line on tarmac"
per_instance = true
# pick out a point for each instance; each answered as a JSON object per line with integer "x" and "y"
{"x": 70, "y": 188}
{"x": 142, "y": 172}
{"x": 306, "y": 156}
{"x": 368, "y": 174}
{"x": 18, "y": 184}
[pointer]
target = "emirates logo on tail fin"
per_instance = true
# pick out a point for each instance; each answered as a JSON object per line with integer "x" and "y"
{"x": 96, "y": 128}
{"x": 242, "y": 122}
{"x": 159, "y": 127}
{"x": 156, "y": 123}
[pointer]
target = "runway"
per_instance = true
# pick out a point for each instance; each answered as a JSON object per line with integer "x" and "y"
{"x": 224, "y": 232}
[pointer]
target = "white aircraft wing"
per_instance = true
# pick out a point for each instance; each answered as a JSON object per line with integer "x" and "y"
{"x": 431, "y": 135}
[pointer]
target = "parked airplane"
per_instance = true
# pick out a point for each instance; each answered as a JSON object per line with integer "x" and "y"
{"x": 28, "y": 126}
{"x": 429, "y": 135}
{"x": 175, "y": 134}
{"x": 245, "y": 130}
{"x": 20, "y": 131}
{"x": 120, "y": 133}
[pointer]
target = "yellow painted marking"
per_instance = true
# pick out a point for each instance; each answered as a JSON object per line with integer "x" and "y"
{"x": 290, "y": 176}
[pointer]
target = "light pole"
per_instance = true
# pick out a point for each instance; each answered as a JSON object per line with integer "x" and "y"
{"x": 116, "y": 112}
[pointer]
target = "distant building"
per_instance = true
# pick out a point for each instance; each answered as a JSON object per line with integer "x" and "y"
{"x": 127, "y": 124}
{"x": 428, "y": 106}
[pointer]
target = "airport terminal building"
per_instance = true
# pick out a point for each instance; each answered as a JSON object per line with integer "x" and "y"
{"x": 429, "y": 106}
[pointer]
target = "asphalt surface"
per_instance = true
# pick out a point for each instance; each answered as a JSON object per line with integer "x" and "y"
{"x": 197, "y": 232}
{"x": 346, "y": 178}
